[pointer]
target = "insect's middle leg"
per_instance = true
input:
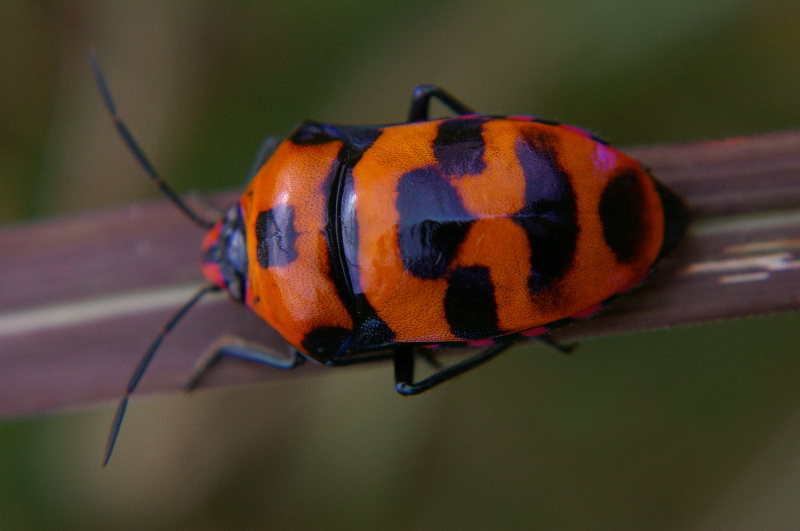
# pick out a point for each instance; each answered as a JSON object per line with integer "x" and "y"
{"x": 404, "y": 367}
{"x": 420, "y": 101}
{"x": 236, "y": 347}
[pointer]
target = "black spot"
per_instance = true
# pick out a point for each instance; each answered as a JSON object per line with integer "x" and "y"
{"x": 276, "y": 237}
{"x": 312, "y": 133}
{"x": 372, "y": 330}
{"x": 459, "y": 146}
{"x": 326, "y": 342}
{"x": 357, "y": 140}
{"x": 676, "y": 218}
{"x": 469, "y": 303}
{"x": 433, "y": 222}
{"x": 622, "y": 209}
{"x": 549, "y": 216}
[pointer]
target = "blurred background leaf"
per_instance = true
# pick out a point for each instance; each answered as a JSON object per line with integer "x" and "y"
{"x": 687, "y": 428}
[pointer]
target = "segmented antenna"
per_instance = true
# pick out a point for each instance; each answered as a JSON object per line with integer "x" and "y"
{"x": 134, "y": 147}
{"x": 142, "y": 366}
{"x": 130, "y": 141}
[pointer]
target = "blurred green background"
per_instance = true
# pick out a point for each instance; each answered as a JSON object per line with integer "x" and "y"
{"x": 692, "y": 428}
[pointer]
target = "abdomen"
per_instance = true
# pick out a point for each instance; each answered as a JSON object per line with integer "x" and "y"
{"x": 475, "y": 228}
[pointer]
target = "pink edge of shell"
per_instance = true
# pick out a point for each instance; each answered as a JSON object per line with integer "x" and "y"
{"x": 578, "y": 130}
{"x": 481, "y": 343}
{"x": 533, "y": 332}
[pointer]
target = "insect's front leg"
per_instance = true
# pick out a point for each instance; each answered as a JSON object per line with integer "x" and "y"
{"x": 237, "y": 347}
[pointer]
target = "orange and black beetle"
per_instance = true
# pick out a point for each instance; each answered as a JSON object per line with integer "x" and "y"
{"x": 365, "y": 242}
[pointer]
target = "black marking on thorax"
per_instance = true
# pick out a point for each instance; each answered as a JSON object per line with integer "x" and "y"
{"x": 311, "y": 133}
{"x": 276, "y": 236}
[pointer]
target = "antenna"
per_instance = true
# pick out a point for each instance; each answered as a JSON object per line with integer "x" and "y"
{"x": 130, "y": 141}
{"x": 142, "y": 366}
{"x": 134, "y": 147}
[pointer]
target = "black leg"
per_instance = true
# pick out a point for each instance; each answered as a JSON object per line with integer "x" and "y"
{"x": 404, "y": 367}
{"x": 564, "y": 349}
{"x": 421, "y": 97}
{"x": 238, "y": 348}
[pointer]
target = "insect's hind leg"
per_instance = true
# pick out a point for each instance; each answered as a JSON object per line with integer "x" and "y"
{"x": 561, "y": 347}
{"x": 404, "y": 367}
{"x": 420, "y": 101}
{"x": 236, "y": 347}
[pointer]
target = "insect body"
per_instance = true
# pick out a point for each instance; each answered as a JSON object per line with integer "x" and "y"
{"x": 364, "y": 242}
{"x": 437, "y": 231}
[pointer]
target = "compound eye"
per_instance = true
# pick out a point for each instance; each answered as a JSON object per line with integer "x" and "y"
{"x": 236, "y": 252}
